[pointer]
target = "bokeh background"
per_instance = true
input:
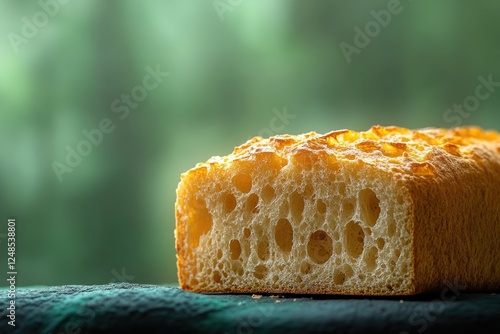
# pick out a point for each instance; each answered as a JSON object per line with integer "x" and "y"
{"x": 233, "y": 67}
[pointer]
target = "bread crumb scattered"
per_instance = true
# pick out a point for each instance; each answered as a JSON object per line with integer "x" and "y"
{"x": 254, "y": 296}
{"x": 278, "y": 301}
{"x": 274, "y": 296}
{"x": 401, "y": 301}
{"x": 493, "y": 294}
{"x": 294, "y": 299}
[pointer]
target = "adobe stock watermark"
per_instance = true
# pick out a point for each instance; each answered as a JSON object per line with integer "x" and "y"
{"x": 277, "y": 123}
{"x": 372, "y": 29}
{"x": 255, "y": 319}
{"x": 85, "y": 316}
{"x": 121, "y": 106}
{"x": 88, "y": 315}
{"x": 421, "y": 319}
{"x": 223, "y": 6}
{"x": 120, "y": 277}
{"x": 471, "y": 103}
{"x": 39, "y": 20}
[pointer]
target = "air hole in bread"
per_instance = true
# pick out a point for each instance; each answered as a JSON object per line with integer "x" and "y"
{"x": 354, "y": 239}
{"x": 242, "y": 182}
{"x": 219, "y": 254}
{"x": 370, "y": 258}
{"x": 380, "y": 243}
{"x": 397, "y": 253}
{"x": 237, "y": 267}
{"x": 203, "y": 219}
{"x": 347, "y": 269}
{"x": 338, "y": 277}
{"x": 305, "y": 268}
{"x": 268, "y": 194}
{"x": 217, "y": 276}
{"x": 263, "y": 249}
{"x": 234, "y": 249}
{"x": 252, "y": 202}
{"x": 260, "y": 271}
{"x": 246, "y": 232}
{"x": 229, "y": 203}
{"x": 321, "y": 206}
{"x": 309, "y": 191}
{"x": 284, "y": 235}
{"x": 297, "y": 206}
{"x": 370, "y": 206}
{"x": 319, "y": 247}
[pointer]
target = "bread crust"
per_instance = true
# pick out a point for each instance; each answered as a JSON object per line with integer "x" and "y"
{"x": 451, "y": 178}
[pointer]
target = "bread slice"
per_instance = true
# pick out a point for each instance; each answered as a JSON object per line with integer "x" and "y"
{"x": 389, "y": 211}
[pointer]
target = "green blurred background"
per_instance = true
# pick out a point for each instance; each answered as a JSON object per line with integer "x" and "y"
{"x": 233, "y": 66}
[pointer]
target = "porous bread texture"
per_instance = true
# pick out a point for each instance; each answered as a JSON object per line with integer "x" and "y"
{"x": 389, "y": 211}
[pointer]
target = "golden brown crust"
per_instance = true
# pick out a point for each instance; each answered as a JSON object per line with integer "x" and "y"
{"x": 410, "y": 152}
{"x": 451, "y": 177}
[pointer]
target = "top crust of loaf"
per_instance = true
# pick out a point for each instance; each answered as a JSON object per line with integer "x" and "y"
{"x": 400, "y": 150}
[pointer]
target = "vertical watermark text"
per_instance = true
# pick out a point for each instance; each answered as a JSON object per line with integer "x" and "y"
{"x": 11, "y": 271}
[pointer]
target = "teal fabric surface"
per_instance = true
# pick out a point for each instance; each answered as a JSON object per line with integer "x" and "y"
{"x": 132, "y": 308}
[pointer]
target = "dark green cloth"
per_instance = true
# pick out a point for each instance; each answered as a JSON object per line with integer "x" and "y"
{"x": 132, "y": 308}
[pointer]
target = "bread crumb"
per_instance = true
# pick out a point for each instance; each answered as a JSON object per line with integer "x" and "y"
{"x": 240, "y": 303}
{"x": 294, "y": 299}
{"x": 274, "y": 296}
{"x": 401, "y": 301}
{"x": 278, "y": 301}
{"x": 493, "y": 294}
{"x": 254, "y": 296}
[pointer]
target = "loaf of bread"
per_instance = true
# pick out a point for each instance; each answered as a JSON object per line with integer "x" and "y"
{"x": 389, "y": 211}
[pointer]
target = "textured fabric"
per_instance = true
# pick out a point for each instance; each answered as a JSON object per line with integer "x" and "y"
{"x": 132, "y": 308}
